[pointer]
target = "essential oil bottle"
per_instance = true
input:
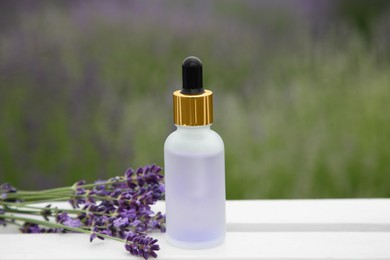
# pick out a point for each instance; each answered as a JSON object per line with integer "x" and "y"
{"x": 194, "y": 166}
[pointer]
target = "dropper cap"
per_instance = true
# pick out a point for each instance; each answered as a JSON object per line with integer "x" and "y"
{"x": 192, "y": 76}
{"x": 192, "y": 105}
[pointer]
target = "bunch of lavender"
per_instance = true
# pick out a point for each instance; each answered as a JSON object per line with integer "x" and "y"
{"x": 118, "y": 209}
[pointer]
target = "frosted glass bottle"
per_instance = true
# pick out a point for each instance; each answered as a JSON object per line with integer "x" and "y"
{"x": 194, "y": 166}
{"x": 195, "y": 187}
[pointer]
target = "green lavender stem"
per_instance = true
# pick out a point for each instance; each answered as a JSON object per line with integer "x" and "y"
{"x": 70, "y": 189}
{"x": 11, "y": 205}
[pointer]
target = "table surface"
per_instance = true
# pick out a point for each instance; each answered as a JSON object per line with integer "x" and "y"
{"x": 256, "y": 229}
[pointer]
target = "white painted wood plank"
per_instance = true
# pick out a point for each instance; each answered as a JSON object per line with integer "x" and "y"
{"x": 238, "y": 245}
{"x": 306, "y": 215}
{"x": 251, "y": 219}
{"x": 309, "y": 215}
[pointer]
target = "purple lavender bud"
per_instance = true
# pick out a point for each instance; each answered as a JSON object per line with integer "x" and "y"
{"x": 158, "y": 191}
{"x": 65, "y": 219}
{"x": 161, "y": 188}
{"x": 100, "y": 184}
{"x": 71, "y": 222}
{"x": 61, "y": 217}
{"x": 141, "y": 245}
{"x": 116, "y": 193}
{"x": 89, "y": 198}
{"x": 136, "y": 222}
{"x": 80, "y": 183}
{"x": 157, "y": 169}
{"x": 30, "y": 228}
{"x": 140, "y": 226}
{"x": 7, "y": 188}
{"x": 117, "y": 182}
{"x": 100, "y": 220}
{"x": 141, "y": 181}
{"x": 76, "y": 202}
{"x": 82, "y": 216}
{"x": 157, "y": 222}
{"x": 92, "y": 237}
{"x": 129, "y": 173}
{"x": 145, "y": 211}
{"x": 106, "y": 206}
{"x": 127, "y": 213}
{"x": 140, "y": 170}
{"x": 95, "y": 234}
{"x": 154, "y": 224}
{"x": 91, "y": 207}
{"x": 76, "y": 186}
{"x": 80, "y": 191}
{"x": 120, "y": 222}
{"x": 46, "y": 212}
{"x": 106, "y": 232}
{"x": 100, "y": 188}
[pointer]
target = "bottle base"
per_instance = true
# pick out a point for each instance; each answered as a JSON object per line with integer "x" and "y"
{"x": 195, "y": 245}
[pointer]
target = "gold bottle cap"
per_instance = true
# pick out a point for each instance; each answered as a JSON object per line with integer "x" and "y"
{"x": 193, "y": 110}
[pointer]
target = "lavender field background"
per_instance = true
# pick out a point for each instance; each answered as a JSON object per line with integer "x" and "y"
{"x": 302, "y": 91}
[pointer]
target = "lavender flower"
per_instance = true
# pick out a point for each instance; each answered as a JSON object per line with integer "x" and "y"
{"x": 70, "y": 222}
{"x": 95, "y": 233}
{"x": 119, "y": 207}
{"x": 92, "y": 237}
{"x": 141, "y": 245}
{"x": 46, "y": 212}
{"x": 157, "y": 222}
{"x": 6, "y": 188}
{"x": 77, "y": 199}
{"x": 65, "y": 219}
{"x": 33, "y": 228}
{"x": 30, "y": 228}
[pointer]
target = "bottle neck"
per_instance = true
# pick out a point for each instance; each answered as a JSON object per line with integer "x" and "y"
{"x": 193, "y": 129}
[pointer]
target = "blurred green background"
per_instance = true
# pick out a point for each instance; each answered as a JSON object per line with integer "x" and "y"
{"x": 301, "y": 87}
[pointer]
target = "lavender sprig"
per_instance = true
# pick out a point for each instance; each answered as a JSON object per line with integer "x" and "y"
{"x": 118, "y": 208}
{"x": 141, "y": 245}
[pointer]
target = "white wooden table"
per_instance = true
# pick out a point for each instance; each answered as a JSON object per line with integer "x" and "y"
{"x": 256, "y": 229}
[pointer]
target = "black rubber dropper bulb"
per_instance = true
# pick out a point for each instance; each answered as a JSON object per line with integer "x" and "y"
{"x": 192, "y": 76}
